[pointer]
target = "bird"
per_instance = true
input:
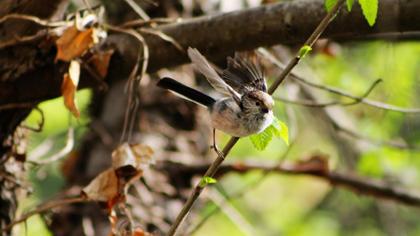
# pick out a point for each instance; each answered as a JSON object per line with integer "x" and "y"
{"x": 245, "y": 109}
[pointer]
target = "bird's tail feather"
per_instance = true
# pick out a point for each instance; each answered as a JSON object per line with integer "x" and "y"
{"x": 186, "y": 92}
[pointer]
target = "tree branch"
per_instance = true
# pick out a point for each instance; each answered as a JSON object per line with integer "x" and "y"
{"x": 313, "y": 167}
{"x": 219, "y": 35}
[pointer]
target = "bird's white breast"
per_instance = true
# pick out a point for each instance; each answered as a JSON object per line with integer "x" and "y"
{"x": 228, "y": 117}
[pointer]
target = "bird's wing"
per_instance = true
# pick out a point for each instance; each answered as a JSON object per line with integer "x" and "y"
{"x": 242, "y": 74}
{"x": 203, "y": 66}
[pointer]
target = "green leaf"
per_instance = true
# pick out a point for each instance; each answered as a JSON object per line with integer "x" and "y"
{"x": 261, "y": 140}
{"x": 206, "y": 180}
{"x": 329, "y": 4}
{"x": 277, "y": 128}
{"x": 304, "y": 50}
{"x": 280, "y": 130}
{"x": 349, "y": 4}
{"x": 370, "y": 10}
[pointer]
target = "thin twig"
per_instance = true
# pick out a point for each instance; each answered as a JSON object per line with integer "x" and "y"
{"x": 138, "y": 9}
{"x": 366, "y": 101}
{"x": 310, "y": 103}
{"x": 142, "y": 23}
{"x": 164, "y": 37}
{"x": 31, "y": 18}
{"x": 133, "y": 81}
{"x": 131, "y": 104}
{"x": 60, "y": 154}
{"x": 24, "y": 39}
{"x": 43, "y": 208}
{"x": 40, "y": 123}
{"x": 211, "y": 171}
{"x": 394, "y": 144}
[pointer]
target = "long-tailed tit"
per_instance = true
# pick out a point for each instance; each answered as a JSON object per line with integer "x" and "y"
{"x": 247, "y": 107}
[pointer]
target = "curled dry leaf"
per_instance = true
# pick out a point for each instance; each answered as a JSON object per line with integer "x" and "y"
{"x": 73, "y": 43}
{"x": 103, "y": 188}
{"x": 128, "y": 163}
{"x": 138, "y": 156}
{"x": 69, "y": 87}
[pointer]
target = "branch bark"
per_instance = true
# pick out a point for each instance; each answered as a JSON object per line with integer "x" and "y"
{"x": 355, "y": 183}
{"x": 286, "y": 23}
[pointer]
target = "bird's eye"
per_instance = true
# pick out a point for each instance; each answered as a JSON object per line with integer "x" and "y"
{"x": 257, "y": 103}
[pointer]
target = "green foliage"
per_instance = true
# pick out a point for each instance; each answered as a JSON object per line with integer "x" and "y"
{"x": 38, "y": 226}
{"x": 304, "y": 50}
{"x": 277, "y": 129}
{"x": 206, "y": 180}
{"x": 349, "y": 4}
{"x": 280, "y": 130}
{"x": 370, "y": 10}
{"x": 57, "y": 117}
{"x": 329, "y": 4}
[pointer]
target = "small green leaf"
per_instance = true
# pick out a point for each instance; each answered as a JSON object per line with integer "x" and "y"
{"x": 261, "y": 140}
{"x": 206, "y": 180}
{"x": 329, "y": 4}
{"x": 280, "y": 130}
{"x": 370, "y": 10}
{"x": 277, "y": 128}
{"x": 304, "y": 50}
{"x": 349, "y": 4}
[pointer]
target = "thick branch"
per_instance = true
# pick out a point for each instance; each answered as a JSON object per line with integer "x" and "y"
{"x": 286, "y": 23}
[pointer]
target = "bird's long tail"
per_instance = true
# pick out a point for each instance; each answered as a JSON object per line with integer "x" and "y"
{"x": 186, "y": 92}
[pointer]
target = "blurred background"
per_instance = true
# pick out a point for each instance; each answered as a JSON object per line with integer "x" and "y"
{"x": 372, "y": 142}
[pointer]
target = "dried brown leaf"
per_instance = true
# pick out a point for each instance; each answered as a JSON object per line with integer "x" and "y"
{"x": 137, "y": 156}
{"x": 73, "y": 43}
{"x": 69, "y": 87}
{"x": 104, "y": 187}
{"x": 128, "y": 163}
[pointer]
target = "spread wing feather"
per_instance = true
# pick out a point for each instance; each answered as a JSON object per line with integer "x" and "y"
{"x": 244, "y": 75}
{"x": 202, "y": 65}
